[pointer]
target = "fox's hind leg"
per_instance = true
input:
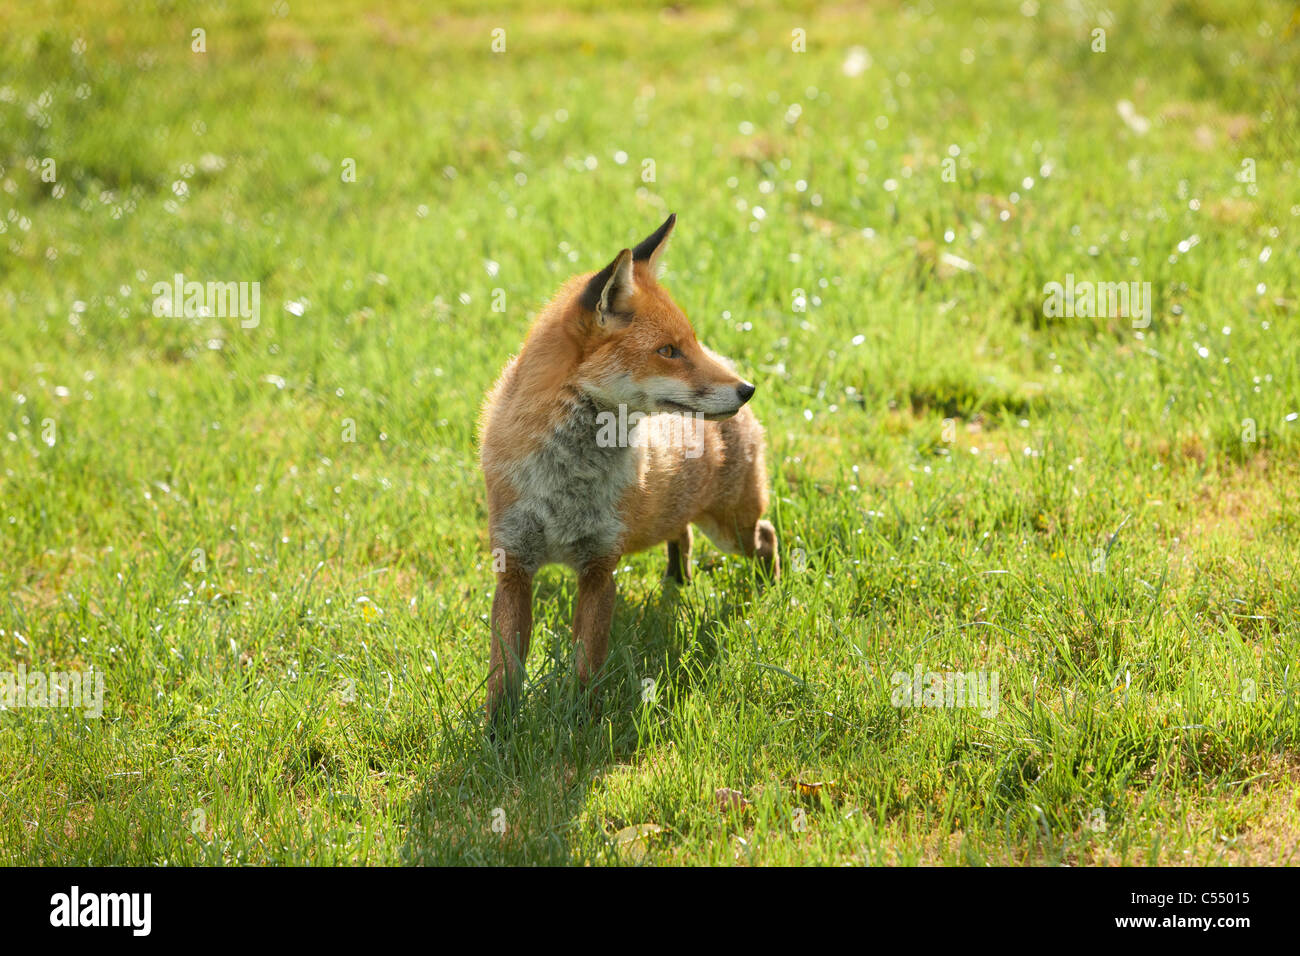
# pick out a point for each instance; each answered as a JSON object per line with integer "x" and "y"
{"x": 746, "y": 534}
{"x": 765, "y": 549}
{"x": 679, "y": 557}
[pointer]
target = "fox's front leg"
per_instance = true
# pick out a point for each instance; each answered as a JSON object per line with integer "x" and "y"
{"x": 512, "y": 628}
{"x": 594, "y": 614}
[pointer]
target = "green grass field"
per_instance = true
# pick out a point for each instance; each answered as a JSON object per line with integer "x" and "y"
{"x": 271, "y": 540}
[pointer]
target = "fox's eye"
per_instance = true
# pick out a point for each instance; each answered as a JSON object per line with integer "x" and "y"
{"x": 670, "y": 351}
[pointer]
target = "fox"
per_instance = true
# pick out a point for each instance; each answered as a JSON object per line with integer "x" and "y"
{"x": 564, "y": 488}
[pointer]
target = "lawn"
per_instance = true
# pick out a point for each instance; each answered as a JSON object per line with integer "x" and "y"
{"x": 266, "y": 533}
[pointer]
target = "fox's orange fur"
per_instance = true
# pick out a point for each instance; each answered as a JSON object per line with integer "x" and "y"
{"x": 612, "y": 343}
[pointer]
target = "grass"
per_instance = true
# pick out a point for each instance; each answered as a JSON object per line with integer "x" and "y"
{"x": 291, "y": 624}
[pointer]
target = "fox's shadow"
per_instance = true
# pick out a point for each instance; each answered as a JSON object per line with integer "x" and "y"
{"x": 511, "y": 800}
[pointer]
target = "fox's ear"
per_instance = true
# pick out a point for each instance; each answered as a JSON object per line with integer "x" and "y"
{"x": 610, "y": 289}
{"x": 652, "y": 247}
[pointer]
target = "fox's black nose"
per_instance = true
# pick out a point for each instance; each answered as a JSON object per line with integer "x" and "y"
{"x": 745, "y": 391}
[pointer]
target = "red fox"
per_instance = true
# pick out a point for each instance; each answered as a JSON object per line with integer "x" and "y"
{"x": 567, "y": 483}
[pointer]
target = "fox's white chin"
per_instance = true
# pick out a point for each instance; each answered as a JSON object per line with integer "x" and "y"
{"x": 677, "y": 408}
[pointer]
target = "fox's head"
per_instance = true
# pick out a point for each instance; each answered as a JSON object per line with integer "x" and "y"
{"x": 638, "y": 348}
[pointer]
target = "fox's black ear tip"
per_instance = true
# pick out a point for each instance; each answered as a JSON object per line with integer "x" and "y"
{"x": 647, "y": 247}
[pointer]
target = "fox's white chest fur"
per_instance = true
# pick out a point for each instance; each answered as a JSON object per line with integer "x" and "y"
{"x": 569, "y": 492}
